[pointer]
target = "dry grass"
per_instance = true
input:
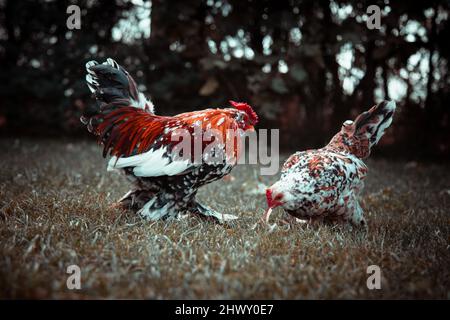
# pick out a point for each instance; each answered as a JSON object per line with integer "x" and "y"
{"x": 54, "y": 199}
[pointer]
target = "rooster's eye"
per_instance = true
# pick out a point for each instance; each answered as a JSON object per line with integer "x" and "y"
{"x": 239, "y": 116}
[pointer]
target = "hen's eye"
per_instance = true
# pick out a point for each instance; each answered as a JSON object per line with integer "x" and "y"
{"x": 279, "y": 197}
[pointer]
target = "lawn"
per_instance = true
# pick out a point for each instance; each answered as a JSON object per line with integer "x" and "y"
{"x": 55, "y": 199}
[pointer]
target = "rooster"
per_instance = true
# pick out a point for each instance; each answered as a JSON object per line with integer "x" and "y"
{"x": 325, "y": 183}
{"x": 164, "y": 185}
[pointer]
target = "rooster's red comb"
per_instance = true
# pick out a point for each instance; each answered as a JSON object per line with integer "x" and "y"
{"x": 247, "y": 109}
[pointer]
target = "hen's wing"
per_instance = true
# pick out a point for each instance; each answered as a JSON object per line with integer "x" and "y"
{"x": 292, "y": 161}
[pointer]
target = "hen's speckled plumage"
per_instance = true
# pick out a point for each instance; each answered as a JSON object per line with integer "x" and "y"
{"x": 325, "y": 183}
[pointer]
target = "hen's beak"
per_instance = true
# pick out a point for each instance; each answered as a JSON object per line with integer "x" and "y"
{"x": 271, "y": 203}
{"x": 267, "y": 214}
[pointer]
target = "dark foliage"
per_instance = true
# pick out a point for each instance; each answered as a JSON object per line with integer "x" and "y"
{"x": 202, "y": 53}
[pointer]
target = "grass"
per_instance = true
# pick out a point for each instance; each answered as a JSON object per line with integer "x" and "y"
{"x": 54, "y": 212}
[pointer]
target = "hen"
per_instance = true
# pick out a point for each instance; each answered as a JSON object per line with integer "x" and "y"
{"x": 325, "y": 183}
{"x": 141, "y": 144}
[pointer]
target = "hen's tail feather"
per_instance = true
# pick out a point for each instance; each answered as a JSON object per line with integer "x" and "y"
{"x": 359, "y": 136}
{"x": 371, "y": 124}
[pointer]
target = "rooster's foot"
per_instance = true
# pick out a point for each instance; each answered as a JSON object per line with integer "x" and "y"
{"x": 210, "y": 213}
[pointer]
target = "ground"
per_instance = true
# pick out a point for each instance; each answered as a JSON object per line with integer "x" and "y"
{"x": 55, "y": 199}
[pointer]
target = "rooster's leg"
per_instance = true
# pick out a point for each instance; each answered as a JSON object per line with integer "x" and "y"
{"x": 198, "y": 208}
{"x": 124, "y": 202}
{"x": 159, "y": 206}
{"x": 134, "y": 199}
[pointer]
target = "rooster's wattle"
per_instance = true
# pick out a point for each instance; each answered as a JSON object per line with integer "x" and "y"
{"x": 325, "y": 183}
{"x": 141, "y": 145}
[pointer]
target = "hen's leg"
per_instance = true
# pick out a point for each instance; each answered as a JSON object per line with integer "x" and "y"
{"x": 355, "y": 212}
{"x": 291, "y": 220}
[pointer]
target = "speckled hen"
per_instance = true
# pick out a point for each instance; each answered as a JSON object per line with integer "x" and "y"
{"x": 325, "y": 183}
{"x": 164, "y": 180}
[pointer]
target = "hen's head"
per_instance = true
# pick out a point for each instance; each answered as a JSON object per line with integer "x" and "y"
{"x": 274, "y": 199}
{"x": 250, "y": 116}
{"x": 280, "y": 194}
